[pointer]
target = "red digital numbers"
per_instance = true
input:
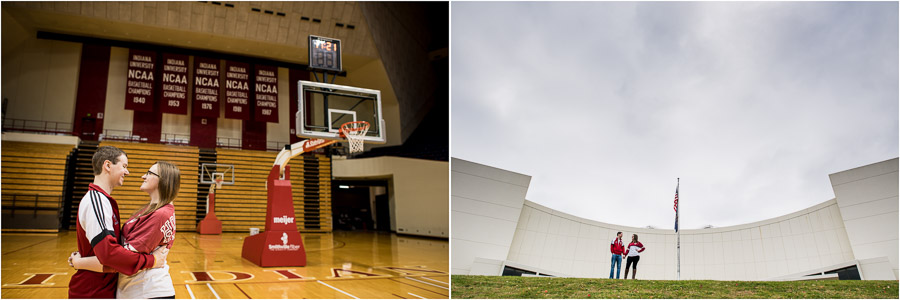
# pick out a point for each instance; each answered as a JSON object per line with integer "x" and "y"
{"x": 327, "y": 46}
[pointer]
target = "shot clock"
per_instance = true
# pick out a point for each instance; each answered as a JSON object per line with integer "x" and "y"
{"x": 324, "y": 53}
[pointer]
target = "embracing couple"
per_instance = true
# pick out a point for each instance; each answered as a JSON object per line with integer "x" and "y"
{"x": 633, "y": 252}
{"x": 126, "y": 262}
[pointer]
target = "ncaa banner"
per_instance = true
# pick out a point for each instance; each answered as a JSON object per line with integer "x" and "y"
{"x": 139, "y": 83}
{"x": 237, "y": 90}
{"x": 174, "y": 84}
{"x": 206, "y": 87}
{"x": 266, "y": 88}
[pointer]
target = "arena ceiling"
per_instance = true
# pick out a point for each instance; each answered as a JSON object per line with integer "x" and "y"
{"x": 278, "y": 31}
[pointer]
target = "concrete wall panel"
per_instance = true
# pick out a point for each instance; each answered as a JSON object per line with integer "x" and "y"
{"x": 868, "y": 202}
{"x": 486, "y": 210}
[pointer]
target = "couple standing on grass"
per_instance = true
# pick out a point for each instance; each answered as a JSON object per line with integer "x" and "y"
{"x": 633, "y": 252}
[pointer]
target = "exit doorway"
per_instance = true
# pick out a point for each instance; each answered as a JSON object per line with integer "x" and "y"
{"x": 361, "y": 205}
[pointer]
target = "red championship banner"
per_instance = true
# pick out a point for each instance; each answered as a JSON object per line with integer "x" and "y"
{"x": 266, "y": 94}
{"x": 206, "y": 87}
{"x": 139, "y": 84}
{"x": 174, "y": 84}
{"x": 237, "y": 90}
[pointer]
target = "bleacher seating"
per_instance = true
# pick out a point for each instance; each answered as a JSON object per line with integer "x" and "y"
{"x": 33, "y": 181}
{"x": 311, "y": 189}
{"x": 34, "y": 176}
{"x": 243, "y": 205}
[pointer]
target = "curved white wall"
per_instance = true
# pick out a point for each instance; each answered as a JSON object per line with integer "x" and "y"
{"x": 804, "y": 240}
{"x": 859, "y": 228}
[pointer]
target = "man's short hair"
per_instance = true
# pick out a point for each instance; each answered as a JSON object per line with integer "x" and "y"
{"x": 103, "y": 154}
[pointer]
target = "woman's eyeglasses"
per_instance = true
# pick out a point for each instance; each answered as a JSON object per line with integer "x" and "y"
{"x": 151, "y": 173}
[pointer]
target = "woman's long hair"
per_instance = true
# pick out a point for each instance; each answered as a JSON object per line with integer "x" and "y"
{"x": 169, "y": 183}
{"x": 634, "y": 238}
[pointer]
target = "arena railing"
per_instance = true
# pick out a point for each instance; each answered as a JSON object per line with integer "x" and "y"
{"x": 37, "y": 126}
{"x": 237, "y": 143}
{"x": 31, "y": 203}
{"x": 60, "y": 128}
{"x": 175, "y": 139}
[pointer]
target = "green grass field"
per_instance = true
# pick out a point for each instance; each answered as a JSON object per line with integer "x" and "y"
{"x": 490, "y": 287}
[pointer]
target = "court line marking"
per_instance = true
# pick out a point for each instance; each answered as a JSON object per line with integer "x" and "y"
{"x": 186, "y": 240}
{"x": 420, "y": 297}
{"x": 213, "y": 290}
{"x": 34, "y": 285}
{"x": 29, "y": 246}
{"x": 426, "y": 278}
{"x": 19, "y": 287}
{"x": 418, "y": 286}
{"x": 242, "y": 291}
{"x": 189, "y": 291}
{"x": 336, "y": 289}
{"x": 431, "y": 284}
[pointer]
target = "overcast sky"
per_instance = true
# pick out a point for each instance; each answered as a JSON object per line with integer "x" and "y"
{"x": 604, "y": 105}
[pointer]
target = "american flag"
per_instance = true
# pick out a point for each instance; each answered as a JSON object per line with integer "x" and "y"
{"x": 676, "y": 208}
{"x": 676, "y": 200}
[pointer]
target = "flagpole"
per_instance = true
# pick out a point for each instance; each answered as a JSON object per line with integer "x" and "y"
{"x": 678, "y": 233}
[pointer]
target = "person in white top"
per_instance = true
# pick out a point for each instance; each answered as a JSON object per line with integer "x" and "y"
{"x": 633, "y": 254}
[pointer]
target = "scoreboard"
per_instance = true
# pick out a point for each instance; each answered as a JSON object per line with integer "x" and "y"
{"x": 325, "y": 53}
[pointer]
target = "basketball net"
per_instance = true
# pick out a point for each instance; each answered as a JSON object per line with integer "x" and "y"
{"x": 354, "y": 132}
{"x": 218, "y": 178}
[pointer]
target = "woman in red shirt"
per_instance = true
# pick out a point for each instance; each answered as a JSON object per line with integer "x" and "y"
{"x": 149, "y": 227}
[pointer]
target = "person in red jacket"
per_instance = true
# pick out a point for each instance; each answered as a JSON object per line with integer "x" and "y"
{"x": 634, "y": 255}
{"x": 98, "y": 230}
{"x": 616, "y": 247}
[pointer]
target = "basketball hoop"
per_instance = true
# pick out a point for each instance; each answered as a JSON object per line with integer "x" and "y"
{"x": 218, "y": 178}
{"x": 354, "y": 132}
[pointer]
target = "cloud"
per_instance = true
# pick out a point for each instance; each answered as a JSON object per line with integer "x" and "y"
{"x": 752, "y": 105}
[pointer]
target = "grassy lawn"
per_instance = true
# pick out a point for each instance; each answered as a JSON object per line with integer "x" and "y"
{"x": 465, "y": 286}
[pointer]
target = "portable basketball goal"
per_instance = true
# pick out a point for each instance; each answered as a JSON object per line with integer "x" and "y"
{"x": 327, "y": 114}
{"x": 214, "y": 175}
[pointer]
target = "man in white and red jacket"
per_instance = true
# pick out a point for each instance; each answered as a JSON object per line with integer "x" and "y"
{"x": 616, "y": 247}
{"x": 633, "y": 254}
{"x": 98, "y": 232}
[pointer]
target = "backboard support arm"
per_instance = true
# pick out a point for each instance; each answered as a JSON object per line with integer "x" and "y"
{"x": 291, "y": 151}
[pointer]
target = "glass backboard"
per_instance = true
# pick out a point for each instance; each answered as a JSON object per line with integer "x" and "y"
{"x": 324, "y": 107}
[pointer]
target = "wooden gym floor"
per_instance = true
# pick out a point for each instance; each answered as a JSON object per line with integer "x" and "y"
{"x": 341, "y": 265}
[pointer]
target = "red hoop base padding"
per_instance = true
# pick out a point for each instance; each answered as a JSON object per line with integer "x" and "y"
{"x": 281, "y": 244}
{"x": 210, "y": 224}
{"x": 256, "y": 249}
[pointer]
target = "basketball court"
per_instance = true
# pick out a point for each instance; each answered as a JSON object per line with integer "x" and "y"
{"x": 212, "y": 264}
{"x": 341, "y": 265}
